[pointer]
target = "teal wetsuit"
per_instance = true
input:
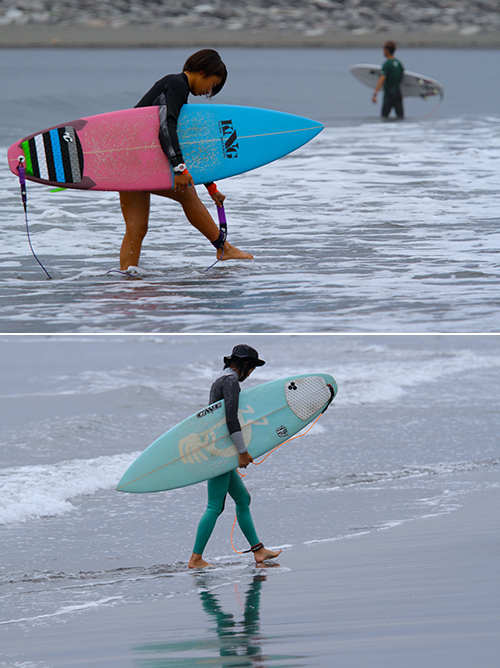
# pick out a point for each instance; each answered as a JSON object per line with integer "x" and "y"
{"x": 227, "y": 387}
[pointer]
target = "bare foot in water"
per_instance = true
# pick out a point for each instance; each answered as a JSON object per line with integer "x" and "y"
{"x": 197, "y": 561}
{"x": 232, "y": 253}
{"x": 263, "y": 554}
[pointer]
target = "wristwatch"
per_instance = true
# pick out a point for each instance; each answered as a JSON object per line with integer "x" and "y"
{"x": 180, "y": 169}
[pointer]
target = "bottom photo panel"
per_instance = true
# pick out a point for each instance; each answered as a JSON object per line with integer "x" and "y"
{"x": 249, "y": 500}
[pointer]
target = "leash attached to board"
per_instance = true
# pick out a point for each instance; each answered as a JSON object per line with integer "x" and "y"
{"x": 21, "y": 170}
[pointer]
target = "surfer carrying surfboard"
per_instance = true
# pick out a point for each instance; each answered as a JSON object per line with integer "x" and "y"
{"x": 390, "y": 79}
{"x": 204, "y": 73}
{"x": 237, "y": 367}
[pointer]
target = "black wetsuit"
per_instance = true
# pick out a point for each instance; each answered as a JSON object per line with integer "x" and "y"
{"x": 170, "y": 94}
{"x": 227, "y": 387}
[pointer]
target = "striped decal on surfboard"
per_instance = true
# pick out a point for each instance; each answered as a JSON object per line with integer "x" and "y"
{"x": 55, "y": 155}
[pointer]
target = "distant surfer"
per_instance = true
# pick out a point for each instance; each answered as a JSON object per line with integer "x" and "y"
{"x": 204, "y": 73}
{"x": 390, "y": 79}
{"x": 237, "y": 368}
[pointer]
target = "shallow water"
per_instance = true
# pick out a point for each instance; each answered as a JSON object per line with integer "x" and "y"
{"x": 412, "y": 432}
{"x": 371, "y": 227}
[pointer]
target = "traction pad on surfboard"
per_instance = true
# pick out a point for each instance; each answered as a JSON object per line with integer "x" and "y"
{"x": 55, "y": 155}
{"x": 306, "y": 396}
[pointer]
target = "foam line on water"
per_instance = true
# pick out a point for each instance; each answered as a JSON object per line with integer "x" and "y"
{"x": 30, "y": 492}
{"x": 66, "y": 610}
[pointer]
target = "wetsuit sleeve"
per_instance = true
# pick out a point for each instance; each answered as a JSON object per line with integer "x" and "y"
{"x": 231, "y": 395}
{"x": 170, "y": 94}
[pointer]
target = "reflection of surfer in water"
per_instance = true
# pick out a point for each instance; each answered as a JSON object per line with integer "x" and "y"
{"x": 390, "y": 79}
{"x": 238, "y": 367}
{"x": 238, "y": 639}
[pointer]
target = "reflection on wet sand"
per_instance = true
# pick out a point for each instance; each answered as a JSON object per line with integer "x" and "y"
{"x": 236, "y": 642}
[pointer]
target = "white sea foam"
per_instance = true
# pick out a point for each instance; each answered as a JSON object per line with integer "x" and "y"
{"x": 30, "y": 492}
{"x": 381, "y": 372}
{"x": 66, "y": 610}
{"x": 376, "y": 227}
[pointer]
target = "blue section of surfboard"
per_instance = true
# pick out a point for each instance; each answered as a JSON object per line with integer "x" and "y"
{"x": 219, "y": 141}
{"x": 412, "y": 84}
{"x": 120, "y": 150}
{"x": 200, "y": 447}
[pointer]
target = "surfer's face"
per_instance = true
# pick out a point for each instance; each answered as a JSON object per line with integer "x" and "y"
{"x": 203, "y": 85}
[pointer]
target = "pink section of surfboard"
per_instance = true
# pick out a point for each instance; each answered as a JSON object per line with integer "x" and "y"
{"x": 121, "y": 149}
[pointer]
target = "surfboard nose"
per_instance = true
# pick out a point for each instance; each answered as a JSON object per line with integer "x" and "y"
{"x": 307, "y": 395}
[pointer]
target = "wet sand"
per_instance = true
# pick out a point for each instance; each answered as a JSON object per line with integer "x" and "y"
{"x": 127, "y": 36}
{"x": 424, "y": 593}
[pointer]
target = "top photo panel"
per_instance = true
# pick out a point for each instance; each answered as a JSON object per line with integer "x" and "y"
{"x": 304, "y": 176}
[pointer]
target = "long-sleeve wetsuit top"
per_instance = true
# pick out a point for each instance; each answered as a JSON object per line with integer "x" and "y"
{"x": 227, "y": 387}
{"x": 170, "y": 94}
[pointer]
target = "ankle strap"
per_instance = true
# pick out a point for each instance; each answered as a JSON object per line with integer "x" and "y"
{"x": 255, "y": 548}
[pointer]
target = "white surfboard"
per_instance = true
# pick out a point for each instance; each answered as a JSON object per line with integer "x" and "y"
{"x": 413, "y": 84}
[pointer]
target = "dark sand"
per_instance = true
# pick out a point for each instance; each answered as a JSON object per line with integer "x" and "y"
{"x": 422, "y": 594}
{"x": 127, "y": 36}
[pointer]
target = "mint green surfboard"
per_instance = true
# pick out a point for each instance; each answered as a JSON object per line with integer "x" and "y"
{"x": 200, "y": 447}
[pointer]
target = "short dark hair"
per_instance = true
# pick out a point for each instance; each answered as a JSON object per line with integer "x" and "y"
{"x": 210, "y": 63}
{"x": 390, "y": 46}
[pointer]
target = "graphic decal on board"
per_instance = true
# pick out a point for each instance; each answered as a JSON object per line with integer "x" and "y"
{"x": 197, "y": 447}
{"x": 55, "y": 155}
{"x": 230, "y": 145}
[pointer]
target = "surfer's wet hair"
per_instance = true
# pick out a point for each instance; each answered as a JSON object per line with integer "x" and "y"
{"x": 210, "y": 63}
{"x": 390, "y": 46}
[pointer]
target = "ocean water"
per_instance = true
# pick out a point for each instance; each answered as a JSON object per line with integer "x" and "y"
{"x": 412, "y": 432}
{"x": 372, "y": 227}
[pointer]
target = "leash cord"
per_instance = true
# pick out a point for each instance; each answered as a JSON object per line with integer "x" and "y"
{"x": 274, "y": 450}
{"x": 433, "y": 111}
{"x": 223, "y": 230}
{"x": 22, "y": 182}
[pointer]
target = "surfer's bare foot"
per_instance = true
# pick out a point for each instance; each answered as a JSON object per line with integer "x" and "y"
{"x": 197, "y": 561}
{"x": 232, "y": 253}
{"x": 263, "y": 554}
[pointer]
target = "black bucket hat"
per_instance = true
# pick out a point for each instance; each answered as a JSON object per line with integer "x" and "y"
{"x": 244, "y": 352}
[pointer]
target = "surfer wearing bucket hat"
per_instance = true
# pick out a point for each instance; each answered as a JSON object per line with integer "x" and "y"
{"x": 237, "y": 367}
{"x": 242, "y": 352}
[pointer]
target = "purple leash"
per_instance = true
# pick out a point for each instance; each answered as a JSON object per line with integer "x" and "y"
{"x": 22, "y": 182}
{"x": 223, "y": 232}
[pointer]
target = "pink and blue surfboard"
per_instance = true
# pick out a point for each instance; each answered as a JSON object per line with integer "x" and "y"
{"x": 120, "y": 150}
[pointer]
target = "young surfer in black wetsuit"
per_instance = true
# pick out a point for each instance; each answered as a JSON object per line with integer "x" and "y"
{"x": 238, "y": 367}
{"x": 204, "y": 73}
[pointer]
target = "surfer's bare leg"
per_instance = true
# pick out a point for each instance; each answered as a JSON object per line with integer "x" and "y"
{"x": 263, "y": 554}
{"x": 197, "y": 561}
{"x": 135, "y": 210}
{"x": 199, "y": 217}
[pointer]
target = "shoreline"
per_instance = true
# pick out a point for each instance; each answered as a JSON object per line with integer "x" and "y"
{"x": 421, "y": 593}
{"x": 61, "y": 35}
